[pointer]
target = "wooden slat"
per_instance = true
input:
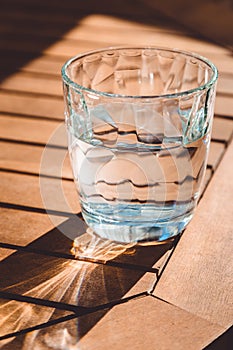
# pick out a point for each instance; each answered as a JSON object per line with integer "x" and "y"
{"x": 222, "y": 129}
{"x": 224, "y": 106}
{"x": 40, "y": 27}
{"x": 112, "y": 36}
{"x": 13, "y": 309}
{"x": 37, "y": 38}
{"x": 225, "y": 84}
{"x": 149, "y": 323}
{"x": 22, "y": 227}
{"x": 23, "y": 224}
{"x": 26, "y": 159}
{"x": 120, "y": 25}
{"x": 88, "y": 18}
{"x": 4, "y": 253}
{"x": 51, "y": 64}
{"x": 72, "y": 7}
{"x": 34, "y": 209}
{"x": 84, "y": 26}
{"x": 84, "y": 42}
{"x": 20, "y": 157}
{"x": 81, "y": 41}
{"x": 41, "y": 315}
{"x": 201, "y": 17}
{"x": 215, "y": 154}
{"x": 31, "y": 209}
{"x": 31, "y": 105}
{"x": 24, "y": 152}
{"x": 64, "y": 48}
{"x": 68, "y": 275}
{"x": 24, "y": 82}
{"x": 53, "y": 232}
{"x": 207, "y": 178}
{"x": 25, "y": 191}
{"x": 114, "y": 326}
{"x": 198, "y": 277}
{"x": 45, "y": 64}
{"x": 26, "y": 130}
{"x": 50, "y": 84}
{"x": 32, "y": 18}
{"x": 224, "y": 63}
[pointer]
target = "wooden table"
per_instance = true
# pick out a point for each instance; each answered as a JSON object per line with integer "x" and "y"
{"x": 172, "y": 296}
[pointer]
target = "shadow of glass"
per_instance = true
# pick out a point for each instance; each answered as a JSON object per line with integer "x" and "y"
{"x": 86, "y": 285}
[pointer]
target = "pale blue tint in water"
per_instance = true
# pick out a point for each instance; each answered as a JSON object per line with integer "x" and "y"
{"x": 134, "y": 184}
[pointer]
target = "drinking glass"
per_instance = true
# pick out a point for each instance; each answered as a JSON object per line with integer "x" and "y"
{"x": 139, "y": 122}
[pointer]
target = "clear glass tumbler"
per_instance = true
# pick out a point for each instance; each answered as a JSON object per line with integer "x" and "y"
{"x": 139, "y": 122}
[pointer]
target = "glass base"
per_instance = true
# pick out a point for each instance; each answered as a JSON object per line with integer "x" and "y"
{"x": 136, "y": 231}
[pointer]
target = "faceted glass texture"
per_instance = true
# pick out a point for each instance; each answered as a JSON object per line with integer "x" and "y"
{"x": 139, "y": 123}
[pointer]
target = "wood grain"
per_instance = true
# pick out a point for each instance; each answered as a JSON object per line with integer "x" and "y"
{"x": 215, "y": 154}
{"x": 199, "y": 275}
{"x": 20, "y": 227}
{"x": 31, "y": 105}
{"x": 26, "y": 130}
{"x": 149, "y": 323}
{"x": 207, "y": 178}
{"x": 222, "y": 129}
{"x": 33, "y": 83}
{"x": 224, "y": 63}
{"x": 40, "y": 193}
{"x": 26, "y": 159}
{"x": 225, "y": 83}
{"x": 224, "y": 106}
{"x": 38, "y": 207}
{"x": 202, "y": 17}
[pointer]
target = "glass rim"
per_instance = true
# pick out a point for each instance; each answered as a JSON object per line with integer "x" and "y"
{"x": 201, "y": 58}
